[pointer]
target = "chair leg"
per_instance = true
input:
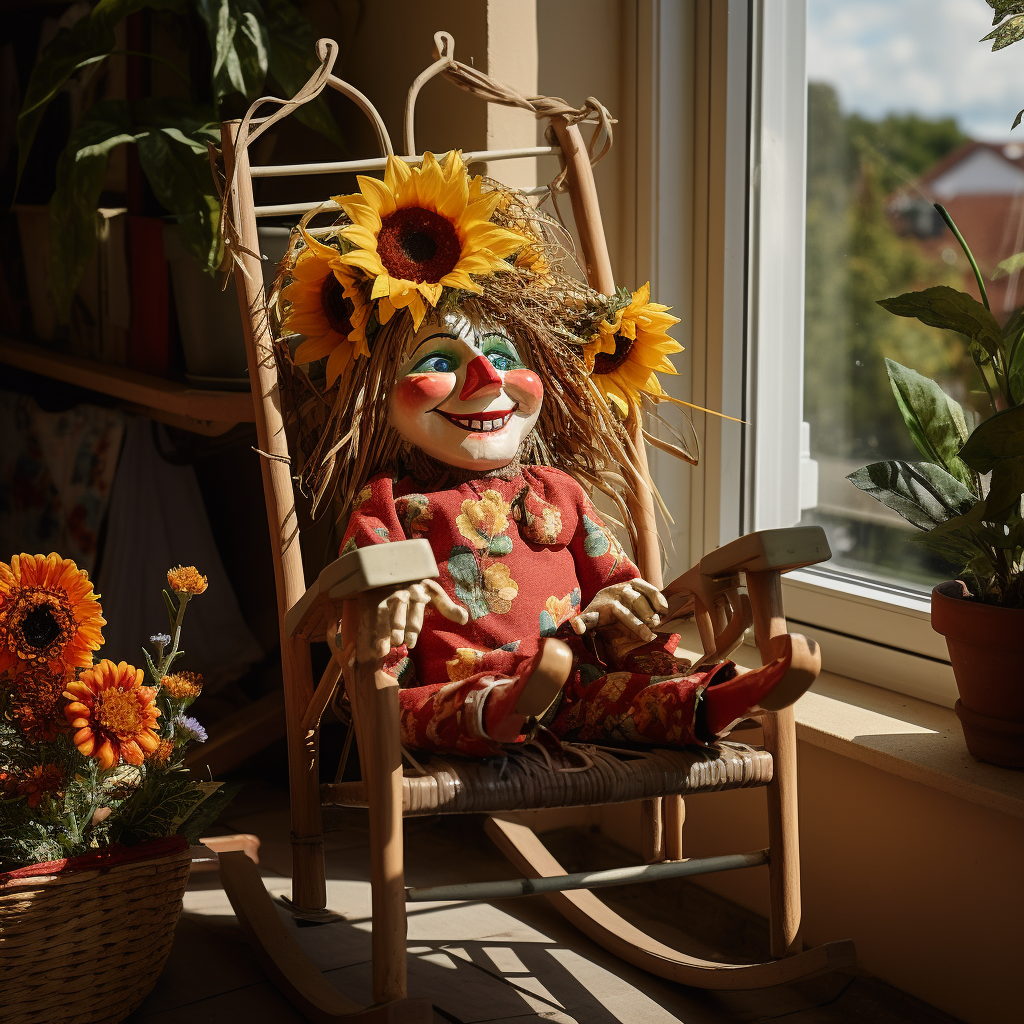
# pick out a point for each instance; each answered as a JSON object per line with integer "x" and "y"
{"x": 651, "y": 832}
{"x": 783, "y": 833}
{"x": 674, "y": 810}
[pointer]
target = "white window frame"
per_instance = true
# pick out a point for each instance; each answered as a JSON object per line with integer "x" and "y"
{"x": 741, "y": 114}
{"x": 868, "y": 630}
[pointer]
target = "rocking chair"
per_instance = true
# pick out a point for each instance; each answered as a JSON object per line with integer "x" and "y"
{"x": 730, "y": 589}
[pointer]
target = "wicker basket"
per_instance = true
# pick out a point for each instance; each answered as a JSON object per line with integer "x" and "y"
{"x": 85, "y": 942}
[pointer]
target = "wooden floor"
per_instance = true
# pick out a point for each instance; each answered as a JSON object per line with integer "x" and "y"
{"x": 514, "y": 961}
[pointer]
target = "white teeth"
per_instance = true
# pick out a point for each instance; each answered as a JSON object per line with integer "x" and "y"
{"x": 477, "y": 424}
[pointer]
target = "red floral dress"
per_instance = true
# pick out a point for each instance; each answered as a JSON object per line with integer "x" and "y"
{"x": 523, "y": 556}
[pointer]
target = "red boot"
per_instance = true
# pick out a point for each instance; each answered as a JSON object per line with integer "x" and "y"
{"x": 770, "y": 688}
{"x": 510, "y": 705}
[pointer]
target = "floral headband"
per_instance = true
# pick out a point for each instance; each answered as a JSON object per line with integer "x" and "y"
{"x": 426, "y": 230}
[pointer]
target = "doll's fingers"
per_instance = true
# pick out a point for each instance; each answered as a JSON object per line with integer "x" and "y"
{"x": 415, "y": 624}
{"x": 445, "y": 605}
{"x": 641, "y": 607}
{"x": 398, "y": 606}
{"x": 584, "y": 621}
{"x": 382, "y": 631}
{"x": 658, "y": 600}
{"x": 631, "y": 622}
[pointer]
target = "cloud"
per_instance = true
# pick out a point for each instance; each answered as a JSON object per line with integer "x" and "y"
{"x": 916, "y": 56}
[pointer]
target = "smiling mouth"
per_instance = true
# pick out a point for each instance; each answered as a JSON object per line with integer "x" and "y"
{"x": 482, "y": 423}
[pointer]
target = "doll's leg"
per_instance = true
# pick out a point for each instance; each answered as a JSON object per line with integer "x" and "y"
{"x": 477, "y": 714}
{"x": 676, "y": 711}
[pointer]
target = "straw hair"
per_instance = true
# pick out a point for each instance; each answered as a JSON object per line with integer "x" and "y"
{"x": 546, "y": 310}
{"x": 87, "y": 946}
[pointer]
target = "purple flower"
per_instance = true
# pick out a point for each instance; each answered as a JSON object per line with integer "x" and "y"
{"x": 190, "y": 729}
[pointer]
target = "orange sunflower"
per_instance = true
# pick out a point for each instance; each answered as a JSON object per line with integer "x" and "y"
{"x": 113, "y": 714}
{"x": 48, "y": 611}
{"x": 37, "y": 699}
{"x": 627, "y": 351}
{"x": 421, "y": 230}
{"x": 186, "y": 579}
{"x": 326, "y": 305}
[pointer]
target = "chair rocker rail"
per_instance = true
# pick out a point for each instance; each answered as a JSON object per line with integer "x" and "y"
{"x": 511, "y": 887}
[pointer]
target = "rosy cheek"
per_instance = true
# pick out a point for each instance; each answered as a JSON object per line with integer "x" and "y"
{"x": 526, "y": 381}
{"x": 423, "y": 389}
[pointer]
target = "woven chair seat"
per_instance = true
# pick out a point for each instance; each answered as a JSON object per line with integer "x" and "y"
{"x": 580, "y": 774}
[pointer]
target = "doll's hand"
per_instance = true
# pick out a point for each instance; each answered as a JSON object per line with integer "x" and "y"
{"x": 400, "y": 615}
{"x": 635, "y": 605}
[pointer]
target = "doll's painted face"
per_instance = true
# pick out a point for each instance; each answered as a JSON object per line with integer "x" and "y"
{"x": 464, "y": 395}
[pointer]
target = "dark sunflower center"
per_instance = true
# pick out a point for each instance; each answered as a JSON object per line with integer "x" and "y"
{"x": 606, "y": 362}
{"x": 337, "y": 308}
{"x": 40, "y": 628}
{"x": 418, "y": 245}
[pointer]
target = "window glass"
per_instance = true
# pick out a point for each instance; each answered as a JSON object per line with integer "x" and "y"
{"x": 906, "y": 108}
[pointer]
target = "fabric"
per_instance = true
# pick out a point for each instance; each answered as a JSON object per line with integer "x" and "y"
{"x": 56, "y": 474}
{"x": 524, "y": 556}
{"x": 157, "y": 521}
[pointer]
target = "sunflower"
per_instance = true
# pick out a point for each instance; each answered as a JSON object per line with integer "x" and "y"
{"x": 48, "y": 611}
{"x": 37, "y": 699}
{"x": 423, "y": 229}
{"x": 326, "y": 305}
{"x": 182, "y": 685}
{"x": 626, "y": 352}
{"x": 113, "y": 714}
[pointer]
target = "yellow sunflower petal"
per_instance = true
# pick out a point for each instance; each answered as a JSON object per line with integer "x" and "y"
{"x": 313, "y": 349}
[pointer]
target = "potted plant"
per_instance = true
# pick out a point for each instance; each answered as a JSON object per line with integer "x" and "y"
{"x": 232, "y": 47}
{"x": 97, "y": 810}
{"x": 965, "y": 497}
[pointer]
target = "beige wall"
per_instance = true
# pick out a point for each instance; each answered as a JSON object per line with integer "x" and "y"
{"x": 928, "y": 886}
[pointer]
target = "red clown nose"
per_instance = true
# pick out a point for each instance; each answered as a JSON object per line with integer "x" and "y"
{"x": 479, "y": 375}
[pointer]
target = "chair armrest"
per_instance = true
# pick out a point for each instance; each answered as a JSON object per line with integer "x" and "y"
{"x": 780, "y": 550}
{"x": 377, "y": 565}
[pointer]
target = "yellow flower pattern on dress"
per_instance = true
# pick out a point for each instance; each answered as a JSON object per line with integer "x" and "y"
{"x": 465, "y": 663}
{"x": 560, "y": 609}
{"x": 415, "y": 514}
{"x": 500, "y": 589}
{"x": 484, "y": 521}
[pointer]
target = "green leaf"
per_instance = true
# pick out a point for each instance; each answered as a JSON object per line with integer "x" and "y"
{"x": 1014, "y": 334}
{"x": 292, "y": 60}
{"x": 924, "y": 494}
{"x": 499, "y": 546}
{"x": 172, "y": 608}
{"x": 936, "y": 423}
{"x": 465, "y": 571}
{"x": 1002, "y": 8}
{"x": 173, "y": 152}
{"x": 89, "y": 40}
{"x": 596, "y": 542}
{"x": 999, "y": 437}
{"x": 1006, "y": 488}
{"x": 80, "y": 173}
{"x": 951, "y": 310}
{"x": 239, "y": 41}
{"x": 1012, "y": 263}
{"x": 1011, "y": 31}
{"x": 203, "y": 816}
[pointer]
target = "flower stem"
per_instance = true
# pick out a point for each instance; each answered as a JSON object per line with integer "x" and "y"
{"x": 944, "y": 214}
{"x": 166, "y": 663}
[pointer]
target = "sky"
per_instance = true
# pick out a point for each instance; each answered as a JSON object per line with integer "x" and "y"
{"x": 917, "y": 56}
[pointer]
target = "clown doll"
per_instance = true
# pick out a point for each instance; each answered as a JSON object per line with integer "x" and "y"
{"x": 475, "y": 397}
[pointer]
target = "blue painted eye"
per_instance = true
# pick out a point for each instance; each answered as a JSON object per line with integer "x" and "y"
{"x": 502, "y": 360}
{"x": 437, "y": 362}
{"x": 502, "y": 353}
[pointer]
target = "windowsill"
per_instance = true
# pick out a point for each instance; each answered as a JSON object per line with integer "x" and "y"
{"x": 907, "y": 737}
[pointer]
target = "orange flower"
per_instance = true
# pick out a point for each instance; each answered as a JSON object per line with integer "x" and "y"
{"x": 35, "y": 782}
{"x": 113, "y": 714}
{"x": 161, "y": 755}
{"x": 186, "y": 579}
{"x": 182, "y": 685}
{"x": 37, "y": 699}
{"x": 48, "y": 611}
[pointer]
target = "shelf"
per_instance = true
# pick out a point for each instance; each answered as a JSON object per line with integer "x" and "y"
{"x": 208, "y": 412}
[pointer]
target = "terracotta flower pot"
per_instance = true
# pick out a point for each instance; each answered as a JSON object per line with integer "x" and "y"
{"x": 986, "y": 648}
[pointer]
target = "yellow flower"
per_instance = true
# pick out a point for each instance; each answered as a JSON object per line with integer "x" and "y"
{"x": 182, "y": 685}
{"x": 326, "y": 305}
{"x": 113, "y": 714}
{"x": 423, "y": 229}
{"x": 483, "y": 520}
{"x": 500, "y": 589}
{"x": 560, "y": 609}
{"x": 465, "y": 663}
{"x": 624, "y": 356}
{"x": 48, "y": 611}
{"x": 186, "y": 579}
